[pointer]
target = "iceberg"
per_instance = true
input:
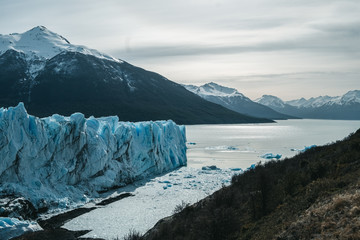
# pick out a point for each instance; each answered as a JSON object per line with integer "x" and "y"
{"x": 304, "y": 149}
{"x": 253, "y": 166}
{"x": 58, "y": 161}
{"x": 271, "y": 156}
{"x": 307, "y": 148}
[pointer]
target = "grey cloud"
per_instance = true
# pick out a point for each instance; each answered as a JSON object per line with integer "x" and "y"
{"x": 351, "y": 29}
{"x": 315, "y": 43}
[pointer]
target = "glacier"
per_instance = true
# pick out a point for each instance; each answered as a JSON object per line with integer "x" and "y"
{"x": 57, "y": 161}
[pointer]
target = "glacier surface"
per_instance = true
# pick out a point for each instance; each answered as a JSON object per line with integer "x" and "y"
{"x": 57, "y": 161}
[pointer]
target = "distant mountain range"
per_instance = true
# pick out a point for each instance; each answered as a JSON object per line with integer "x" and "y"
{"x": 346, "y": 107}
{"x": 50, "y": 75}
{"x": 234, "y": 100}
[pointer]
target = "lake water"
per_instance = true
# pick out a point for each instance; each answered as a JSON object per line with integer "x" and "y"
{"x": 239, "y": 145}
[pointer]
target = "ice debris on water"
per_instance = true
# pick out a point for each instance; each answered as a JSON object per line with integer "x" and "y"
{"x": 150, "y": 203}
{"x": 57, "y": 157}
{"x": 12, "y": 227}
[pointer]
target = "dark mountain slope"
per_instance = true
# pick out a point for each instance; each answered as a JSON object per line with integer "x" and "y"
{"x": 74, "y": 82}
{"x": 13, "y": 84}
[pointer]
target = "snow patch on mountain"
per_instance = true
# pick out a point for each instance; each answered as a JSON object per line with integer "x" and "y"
{"x": 62, "y": 160}
{"x": 40, "y": 44}
{"x": 213, "y": 89}
{"x": 350, "y": 97}
{"x": 271, "y": 101}
{"x": 313, "y": 102}
{"x": 347, "y": 99}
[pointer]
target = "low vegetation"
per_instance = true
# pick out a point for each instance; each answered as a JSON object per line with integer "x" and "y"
{"x": 132, "y": 235}
{"x": 314, "y": 195}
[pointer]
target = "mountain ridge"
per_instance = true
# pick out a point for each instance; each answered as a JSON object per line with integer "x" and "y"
{"x": 346, "y": 107}
{"x": 234, "y": 100}
{"x": 50, "y": 75}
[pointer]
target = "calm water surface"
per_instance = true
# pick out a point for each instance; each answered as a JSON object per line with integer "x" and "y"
{"x": 240, "y": 145}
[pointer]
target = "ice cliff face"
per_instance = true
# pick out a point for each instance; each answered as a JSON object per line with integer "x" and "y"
{"x": 67, "y": 159}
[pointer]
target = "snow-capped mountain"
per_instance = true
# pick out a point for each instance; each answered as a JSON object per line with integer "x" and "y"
{"x": 213, "y": 89}
{"x": 40, "y": 44}
{"x": 351, "y": 97}
{"x": 234, "y": 100}
{"x": 51, "y": 75}
{"x": 323, "y": 107}
{"x": 271, "y": 101}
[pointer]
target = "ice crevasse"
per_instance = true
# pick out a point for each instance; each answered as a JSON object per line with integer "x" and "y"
{"x": 57, "y": 157}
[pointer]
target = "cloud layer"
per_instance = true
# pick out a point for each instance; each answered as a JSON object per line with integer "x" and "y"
{"x": 256, "y": 46}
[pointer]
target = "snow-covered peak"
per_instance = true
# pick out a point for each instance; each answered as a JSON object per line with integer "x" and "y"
{"x": 313, "y": 102}
{"x": 350, "y": 97}
{"x": 41, "y": 43}
{"x": 297, "y": 102}
{"x": 271, "y": 101}
{"x": 214, "y": 89}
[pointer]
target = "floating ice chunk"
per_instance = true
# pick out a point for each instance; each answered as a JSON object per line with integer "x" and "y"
{"x": 189, "y": 176}
{"x": 304, "y": 149}
{"x": 251, "y": 167}
{"x": 12, "y": 227}
{"x": 222, "y": 148}
{"x": 164, "y": 181}
{"x": 271, "y": 156}
{"x": 213, "y": 167}
{"x": 308, "y": 147}
{"x": 236, "y": 169}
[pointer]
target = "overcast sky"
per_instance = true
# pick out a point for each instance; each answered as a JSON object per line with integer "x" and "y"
{"x": 287, "y": 48}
